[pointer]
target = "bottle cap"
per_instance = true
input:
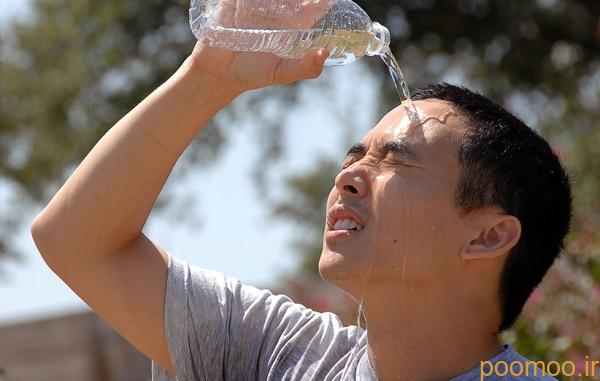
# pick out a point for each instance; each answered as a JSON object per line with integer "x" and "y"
{"x": 382, "y": 38}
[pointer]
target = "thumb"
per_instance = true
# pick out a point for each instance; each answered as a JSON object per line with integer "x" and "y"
{"x": 308, "y": 67}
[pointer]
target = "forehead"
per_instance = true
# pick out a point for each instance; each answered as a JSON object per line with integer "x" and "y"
{"x": 433, "y": 133}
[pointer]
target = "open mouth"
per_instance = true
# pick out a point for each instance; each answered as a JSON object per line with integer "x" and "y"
{"x": 348, "y": 224}
{"x": 342, "y": 222}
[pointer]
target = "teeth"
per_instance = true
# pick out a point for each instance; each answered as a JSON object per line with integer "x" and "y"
{"x": 338, "y": 225}
{"x": 347, "y": 224}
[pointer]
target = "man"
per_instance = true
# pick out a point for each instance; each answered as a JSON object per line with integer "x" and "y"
{"x": 441, "y": 225}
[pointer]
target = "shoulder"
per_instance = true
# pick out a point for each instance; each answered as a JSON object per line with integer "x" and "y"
{"x": 196, "y": 287}
{"x": 224, "y": 326}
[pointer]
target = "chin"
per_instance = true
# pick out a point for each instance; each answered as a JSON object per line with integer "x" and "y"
{"x": 331, "y": 266}
{"x": 335, "y": 270}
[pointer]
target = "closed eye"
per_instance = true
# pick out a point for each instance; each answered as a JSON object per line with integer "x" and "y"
{"x": 392, "y": 162}
{"x": 366, "y": 160}
{"x": 399, "y": 163}
{"x": 349, "y": 161}
{"x": 391, "y": 159}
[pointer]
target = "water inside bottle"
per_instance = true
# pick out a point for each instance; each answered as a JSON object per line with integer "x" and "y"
{"x": 344, "y": 46}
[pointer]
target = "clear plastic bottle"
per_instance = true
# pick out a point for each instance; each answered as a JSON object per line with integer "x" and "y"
{"x": 289, "y": 28}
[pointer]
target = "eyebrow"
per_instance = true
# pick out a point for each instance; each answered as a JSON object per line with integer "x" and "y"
{"x": 357, "y": 149}
{"x": 398, "y": 147}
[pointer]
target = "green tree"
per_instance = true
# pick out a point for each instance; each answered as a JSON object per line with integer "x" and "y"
{"x": 70, "y": 72}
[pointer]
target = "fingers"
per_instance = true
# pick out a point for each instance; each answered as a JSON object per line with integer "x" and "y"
{"x": 308, "y": 67}
{"x": 315, "y": 61}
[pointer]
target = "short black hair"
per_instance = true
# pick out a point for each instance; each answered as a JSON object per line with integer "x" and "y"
{"x": 506, "y": 164}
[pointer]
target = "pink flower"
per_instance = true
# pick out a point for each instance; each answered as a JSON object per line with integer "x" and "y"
{"x": 595, "y": 293}
{"x": 537, "y": 296}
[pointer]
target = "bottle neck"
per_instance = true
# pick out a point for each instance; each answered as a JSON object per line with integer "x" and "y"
{"x": 381, "y": 40}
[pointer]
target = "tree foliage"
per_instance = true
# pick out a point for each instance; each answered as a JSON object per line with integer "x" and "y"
{"x": 75, "y": 67}
{"x": 67, "y": 75}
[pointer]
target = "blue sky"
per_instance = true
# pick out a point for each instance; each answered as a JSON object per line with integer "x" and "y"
{"x": 257, "y": 250}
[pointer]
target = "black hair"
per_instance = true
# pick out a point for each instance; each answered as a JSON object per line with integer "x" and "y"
{"x": 506, "y": 164}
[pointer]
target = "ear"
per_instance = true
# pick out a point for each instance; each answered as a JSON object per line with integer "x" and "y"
{"x": 496, "y": 235}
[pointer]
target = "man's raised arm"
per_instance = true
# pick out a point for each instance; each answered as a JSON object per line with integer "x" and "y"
{"x": 90, "y": 233}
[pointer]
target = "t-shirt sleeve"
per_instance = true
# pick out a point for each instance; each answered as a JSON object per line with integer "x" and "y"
{"x": 219, "y": 329}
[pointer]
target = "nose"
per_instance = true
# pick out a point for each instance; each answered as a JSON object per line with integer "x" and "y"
{"x": 352, "y": 181}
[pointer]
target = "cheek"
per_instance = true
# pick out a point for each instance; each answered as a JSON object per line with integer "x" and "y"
{"x": 333, "y": 195}
{"x": 407, "y": 213}
{"x": 393, "y": 211}
{"x": 395, "y": 197}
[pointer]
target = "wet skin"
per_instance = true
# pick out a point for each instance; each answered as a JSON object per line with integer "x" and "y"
{"x": 399, "y": 181}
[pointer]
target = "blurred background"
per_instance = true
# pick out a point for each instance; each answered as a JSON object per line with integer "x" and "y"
{"x": 69, "y": 69}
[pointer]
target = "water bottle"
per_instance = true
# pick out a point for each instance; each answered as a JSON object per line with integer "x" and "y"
{"x": 289, "y": 28}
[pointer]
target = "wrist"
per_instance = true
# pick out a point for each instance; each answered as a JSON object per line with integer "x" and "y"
{"x": 206, "y": 83}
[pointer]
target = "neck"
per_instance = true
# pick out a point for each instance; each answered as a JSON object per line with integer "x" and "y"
{"x": 428, "y": 334}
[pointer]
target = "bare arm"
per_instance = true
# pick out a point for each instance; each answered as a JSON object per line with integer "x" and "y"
{"x": 90, "y": 233}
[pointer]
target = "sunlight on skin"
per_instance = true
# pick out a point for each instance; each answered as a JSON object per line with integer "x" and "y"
{"x": 398, "y": 124}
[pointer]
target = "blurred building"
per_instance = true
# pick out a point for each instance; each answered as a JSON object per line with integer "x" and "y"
{"x": 78, "y": 347}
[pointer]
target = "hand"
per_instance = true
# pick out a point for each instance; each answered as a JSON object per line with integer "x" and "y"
{"x": 241, "y": 71}
{"x": 237, "y": 72}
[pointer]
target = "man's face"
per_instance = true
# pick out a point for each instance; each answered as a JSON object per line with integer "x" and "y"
{"x": 391, "y": 219}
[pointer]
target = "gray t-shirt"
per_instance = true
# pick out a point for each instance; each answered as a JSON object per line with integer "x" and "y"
{"x": 220, "y": 329}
